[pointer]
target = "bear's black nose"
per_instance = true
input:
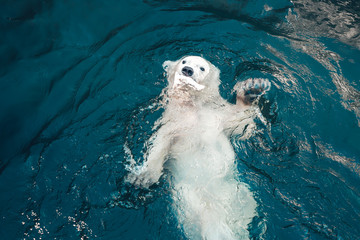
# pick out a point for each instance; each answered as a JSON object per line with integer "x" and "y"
{"x": 187, "y": 71}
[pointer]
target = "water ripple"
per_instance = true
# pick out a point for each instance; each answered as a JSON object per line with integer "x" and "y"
{"x": 81, "y": 80}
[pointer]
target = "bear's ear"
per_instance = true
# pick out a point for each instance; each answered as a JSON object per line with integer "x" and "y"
{"x": 213, "y": 78}
{"x": 167, "y": 65}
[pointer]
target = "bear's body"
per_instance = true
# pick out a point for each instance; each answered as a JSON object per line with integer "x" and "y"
{"x": 194, "y": 140}
{"x": 210, "y": 201}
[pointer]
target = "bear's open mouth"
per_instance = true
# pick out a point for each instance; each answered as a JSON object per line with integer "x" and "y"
{"x": 182, "y": 80}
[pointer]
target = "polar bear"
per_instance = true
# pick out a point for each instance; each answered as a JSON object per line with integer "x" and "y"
{"x": 192, "y": 141}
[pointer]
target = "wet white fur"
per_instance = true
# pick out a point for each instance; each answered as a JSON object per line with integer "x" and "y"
{"x": 193, "y": 139}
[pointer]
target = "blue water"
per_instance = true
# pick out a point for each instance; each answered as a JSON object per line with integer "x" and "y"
{"x": 76, "y": 78}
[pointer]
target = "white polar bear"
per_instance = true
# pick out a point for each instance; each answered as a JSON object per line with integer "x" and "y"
{"x": 193, "y": 139}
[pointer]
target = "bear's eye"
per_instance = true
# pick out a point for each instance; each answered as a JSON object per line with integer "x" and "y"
{"x": 202, "y": 69}
{"x": 183, "y": 62}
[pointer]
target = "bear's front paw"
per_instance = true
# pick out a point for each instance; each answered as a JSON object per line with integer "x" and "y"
{"x": 251, "y": 89}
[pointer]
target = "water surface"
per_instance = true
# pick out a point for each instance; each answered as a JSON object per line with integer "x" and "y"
{"x": 77, "y": 80}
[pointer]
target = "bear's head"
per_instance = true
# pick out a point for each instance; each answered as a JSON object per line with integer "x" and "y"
{"x": 192, "y": 72}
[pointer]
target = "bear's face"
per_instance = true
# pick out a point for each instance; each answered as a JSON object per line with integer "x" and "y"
{"x": 194, "y": 67}
{"x": 191, "y": 71}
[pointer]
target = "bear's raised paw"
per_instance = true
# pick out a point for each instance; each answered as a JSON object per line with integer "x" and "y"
{"x": 251, "y": 89}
